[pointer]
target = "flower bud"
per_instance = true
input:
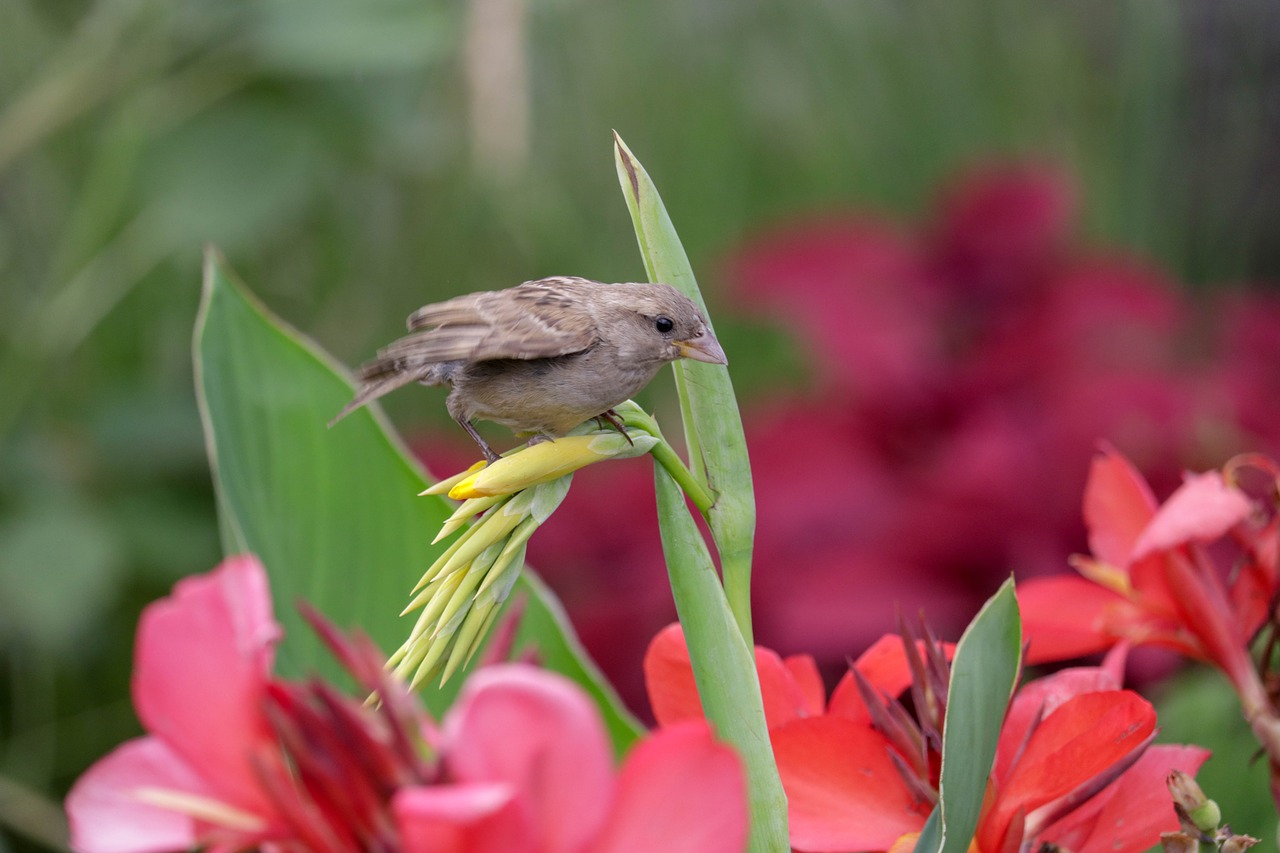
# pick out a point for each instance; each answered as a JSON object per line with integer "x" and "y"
{"x": 549, "y": 460}
{"x": 1203, "y": 812}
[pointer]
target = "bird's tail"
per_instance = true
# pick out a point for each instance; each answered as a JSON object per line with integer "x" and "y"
{"x": 376, "y": 379}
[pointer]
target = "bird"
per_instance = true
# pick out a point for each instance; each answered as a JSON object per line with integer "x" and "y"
{"x": 542, "y": 357}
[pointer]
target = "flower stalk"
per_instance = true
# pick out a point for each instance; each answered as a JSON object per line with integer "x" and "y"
{"x": 716, "y": 616}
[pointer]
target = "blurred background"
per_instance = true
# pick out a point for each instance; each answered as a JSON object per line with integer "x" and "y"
{"x": 948, "y": 246}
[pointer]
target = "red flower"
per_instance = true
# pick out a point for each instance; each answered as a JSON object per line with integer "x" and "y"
{"x": 1071, "y": 767}
{"x": 1152, "y": 577}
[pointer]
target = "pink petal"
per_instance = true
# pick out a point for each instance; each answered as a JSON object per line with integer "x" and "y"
{"x": 106, "y": 815}
{"x": 1065, "y": 617}
{"x": 538, "y": 733}
{"x": 468, "y": 818}
{"x": 1118, "y": 504}
{"x": 1129, "y": 815}
{"x": 843, "y": 792}
{"x": 1201, "y": 510}
{"x": 679, "y": 792}
{"x": 201, "y": 661}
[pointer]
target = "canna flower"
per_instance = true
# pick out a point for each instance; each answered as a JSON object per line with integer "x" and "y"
{"x": 1153, "y": 578}
{"x": 1074, "y": 766}
{"x": 236, "y": 759}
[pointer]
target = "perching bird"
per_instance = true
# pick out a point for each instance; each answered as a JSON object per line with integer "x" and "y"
{"x": 542, "y": 357}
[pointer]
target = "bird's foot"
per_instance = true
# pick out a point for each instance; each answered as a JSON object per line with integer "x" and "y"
{"x": 538, "y": 439}
{"x": 489, "y": 455}
{"x": 611, "y": 417}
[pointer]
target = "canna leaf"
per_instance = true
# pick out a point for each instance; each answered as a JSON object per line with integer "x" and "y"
{"x": 335, "y": 514}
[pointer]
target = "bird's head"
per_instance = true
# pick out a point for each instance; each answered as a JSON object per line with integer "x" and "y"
{"x": 656, "y": 322}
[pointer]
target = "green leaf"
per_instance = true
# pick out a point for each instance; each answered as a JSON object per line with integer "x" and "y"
{"x": 724, "y": 666}
{"x": 334, "y": 514}
{"x": 712, "y": 423}
{"x": 984, "y": 674}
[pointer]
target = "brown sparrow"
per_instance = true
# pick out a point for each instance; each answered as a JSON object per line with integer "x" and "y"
{"x": 542, "y": 357}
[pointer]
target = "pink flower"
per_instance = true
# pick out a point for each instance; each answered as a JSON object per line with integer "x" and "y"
{"x": 237, "y": 759}
{"x": 529, "y": 768}
{"x": 201, "y": 666}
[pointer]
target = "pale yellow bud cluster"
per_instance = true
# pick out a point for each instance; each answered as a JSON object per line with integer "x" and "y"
{"x": 464, "y": 589}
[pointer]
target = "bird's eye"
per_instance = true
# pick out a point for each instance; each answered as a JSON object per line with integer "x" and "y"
{"x": 664, "y": 324}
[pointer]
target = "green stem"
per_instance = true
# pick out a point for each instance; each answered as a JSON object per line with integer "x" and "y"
{"x": 735, "y": 567}
{"x": 666, "y": 456}
{"x": 634, "y": 417}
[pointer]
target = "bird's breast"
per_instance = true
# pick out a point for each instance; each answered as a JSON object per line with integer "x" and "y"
{"x": 548, "y": 395}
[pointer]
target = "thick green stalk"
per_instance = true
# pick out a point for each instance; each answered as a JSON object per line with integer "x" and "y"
{"x": 723, "y": 664}
{"x": 716, "y": 619}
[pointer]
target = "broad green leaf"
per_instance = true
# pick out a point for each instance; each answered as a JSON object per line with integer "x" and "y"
{"x": 334, "y": 513}
{"x": 984, "y": 674}
{"x": 712, "y": 423}
{"x": 724, "y": 666}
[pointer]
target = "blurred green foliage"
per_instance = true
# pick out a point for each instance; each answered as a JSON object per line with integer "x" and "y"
{"x": 356, "y": 159}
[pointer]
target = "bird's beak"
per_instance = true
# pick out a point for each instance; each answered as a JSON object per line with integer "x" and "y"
{"x": 703, "y": 347}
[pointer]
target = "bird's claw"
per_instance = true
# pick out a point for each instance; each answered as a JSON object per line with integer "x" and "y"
{"x": 611, "y": 417}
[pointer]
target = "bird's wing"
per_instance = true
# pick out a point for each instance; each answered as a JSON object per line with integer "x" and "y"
{"x": 538, "y": 319}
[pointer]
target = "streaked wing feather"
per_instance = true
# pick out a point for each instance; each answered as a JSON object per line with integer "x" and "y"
{"x": 539, "y": 319}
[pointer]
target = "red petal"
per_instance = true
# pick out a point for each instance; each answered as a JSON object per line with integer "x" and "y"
{"x": 538, "y": 733}
{"x": 679, "y": 792}
{"x": 106, "y": 815}
{"x": 1203, "y": 509}
{"x": 804, "y": 669}
{"x": 473, "y": 818}
{"x": 783, "y": 697}
{"x": 884, "y": 664}
{"x": 1040, "y": 698}
{"x": 1130, "y": 814}
{"x": 1063, "y": 617}
{"x": 1084, "y": 737}
{"x": 673, "y": 694}
{"x": 668, "y": 677}
{"x": 1118, "y": 504}
{"x": 843, "y": 792}
{"x": 201, "y": 661}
